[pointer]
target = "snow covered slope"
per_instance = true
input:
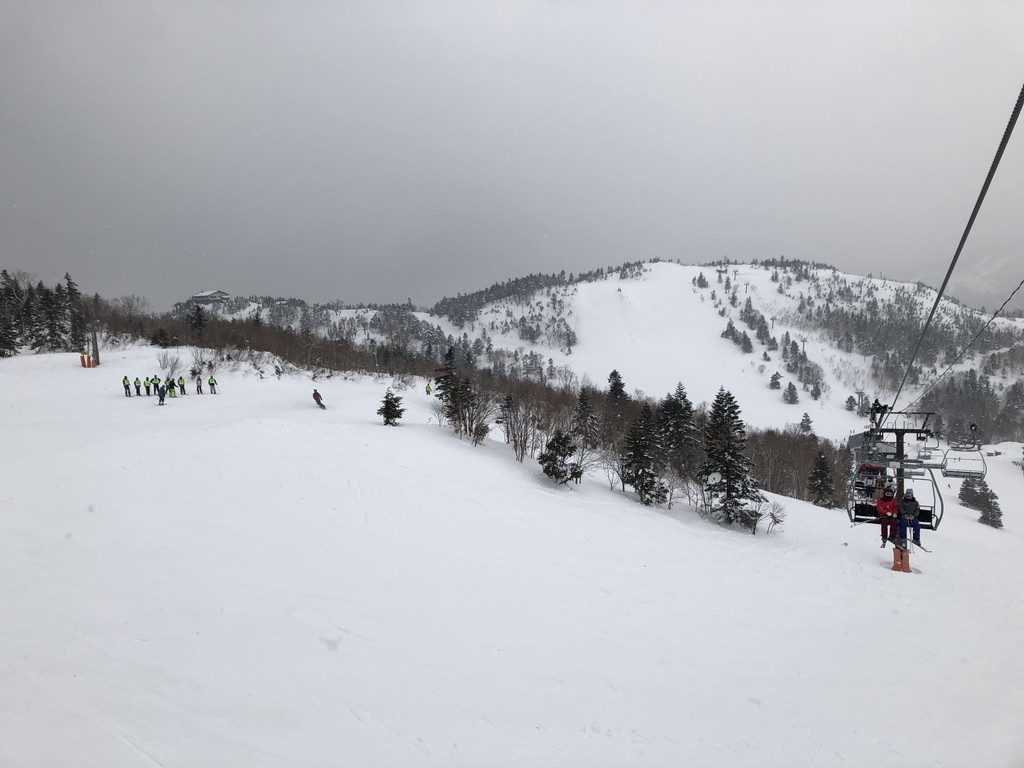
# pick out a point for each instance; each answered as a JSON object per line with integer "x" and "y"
{"x": 245, "y": 580}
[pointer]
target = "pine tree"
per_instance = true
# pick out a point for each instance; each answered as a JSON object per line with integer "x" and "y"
{"x": 196, "y": 320}
{"x": 819, "y": 484}
{"x": 725, "y": 439}
{"x": 9, "y": 310}
{"x": 616, "y": 388}
{"x": 970, "y": 493}
{"x": 391, "y": 409}
{"x": 554, "y": 460}
{"x": 640, "y": 460}
{"x": 775, "y": 381}
{"x": 676, "y": 434}
{"x": 806, "y": 426}
{"x": 447, "y": 380}
{"x": 584, "y": 431}
{"x": 790, "y": 396}
{"x": 976, "y": 494}
{"x": 991, "y": 514}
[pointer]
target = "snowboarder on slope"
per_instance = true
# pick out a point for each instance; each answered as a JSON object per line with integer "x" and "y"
{"x": 318, "y": 400}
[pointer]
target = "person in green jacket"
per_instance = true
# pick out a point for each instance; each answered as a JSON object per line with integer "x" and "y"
{"x": 170, "y": 387}
{"x": 213, "y": 385}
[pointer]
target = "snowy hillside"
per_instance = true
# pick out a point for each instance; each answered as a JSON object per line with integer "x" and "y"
{"x": 662, "y": 323}
{"x": 245, "y": 580}
{"x": 657, "y": 327}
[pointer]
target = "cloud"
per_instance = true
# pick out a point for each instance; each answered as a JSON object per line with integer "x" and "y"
{"x": 375, "y": 151}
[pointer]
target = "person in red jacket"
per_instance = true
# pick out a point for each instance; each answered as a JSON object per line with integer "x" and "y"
{"x": 888, "y": 514}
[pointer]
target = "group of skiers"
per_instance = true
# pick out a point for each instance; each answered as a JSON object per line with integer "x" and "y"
{"x": 166, "y": 388}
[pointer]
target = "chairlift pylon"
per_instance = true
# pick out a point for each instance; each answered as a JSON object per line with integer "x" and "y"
{"x": 878, "y": 463}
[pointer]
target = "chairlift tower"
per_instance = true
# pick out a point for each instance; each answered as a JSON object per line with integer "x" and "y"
{"x": 883, "y": 454}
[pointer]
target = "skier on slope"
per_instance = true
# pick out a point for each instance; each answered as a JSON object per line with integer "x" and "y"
{"x": 318, "y": 399}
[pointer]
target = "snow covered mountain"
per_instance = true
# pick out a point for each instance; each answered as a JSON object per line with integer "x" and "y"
{"x": 834, "y": 336}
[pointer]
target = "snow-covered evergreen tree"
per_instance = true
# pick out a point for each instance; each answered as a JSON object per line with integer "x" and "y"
{"x": 820, "y": 484}
{"x": 391, "y": 409}
{"x": 554, "y": 459}
{"x": 446, "y": 380}
{"x": 790, "y": 396}
{"x": 616, "y": 388}
{"x": 641, "y": 462}
{"x": 976, "y": 494}
{"x": 969, "y": 495}
{"x": 585, "y": 429}
{"x": 991, "y": 514}
{"x": 733, "y": 497}
{"x": 677, "y": 436}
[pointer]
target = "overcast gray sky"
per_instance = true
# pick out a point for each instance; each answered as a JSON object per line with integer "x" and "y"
{"x": 374, "y": 150}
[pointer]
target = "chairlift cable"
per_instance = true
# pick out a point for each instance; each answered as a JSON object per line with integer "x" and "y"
{"x": 963, "y": 239}
{"x": 967, "y": 346}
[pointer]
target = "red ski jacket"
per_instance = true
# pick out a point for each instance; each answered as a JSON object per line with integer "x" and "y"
{"x": 887, "y": 507}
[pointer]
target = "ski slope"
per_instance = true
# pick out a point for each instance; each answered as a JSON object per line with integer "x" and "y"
{"x": 246, "y": 580}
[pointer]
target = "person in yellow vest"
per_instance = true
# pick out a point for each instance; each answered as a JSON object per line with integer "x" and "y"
{"x": 199, "y": 384}
{"x": 181, "y": 384}
{"x": 146, "y": 382}
{"x": 138, "y": 387}
{"x": 213, "y": 385}
{"x": 428, "y": 386}
{"x": 127, "y": 386}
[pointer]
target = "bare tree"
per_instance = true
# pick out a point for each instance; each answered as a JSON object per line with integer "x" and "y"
{"x": 776, "y": 515}
{"x": 131, "y": 306}
{"x": 612, "y": 464}
{"x": 198, "y": 361}
{"x": 169, "y": 362}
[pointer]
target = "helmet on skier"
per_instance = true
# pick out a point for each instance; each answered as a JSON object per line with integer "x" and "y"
{"x": 908, "y": 492}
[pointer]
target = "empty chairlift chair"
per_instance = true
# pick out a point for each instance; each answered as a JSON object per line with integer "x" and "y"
{"x": 965, "y": 458}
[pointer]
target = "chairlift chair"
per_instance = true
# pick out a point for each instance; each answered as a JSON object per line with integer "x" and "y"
{"x": 964, "y": 461}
